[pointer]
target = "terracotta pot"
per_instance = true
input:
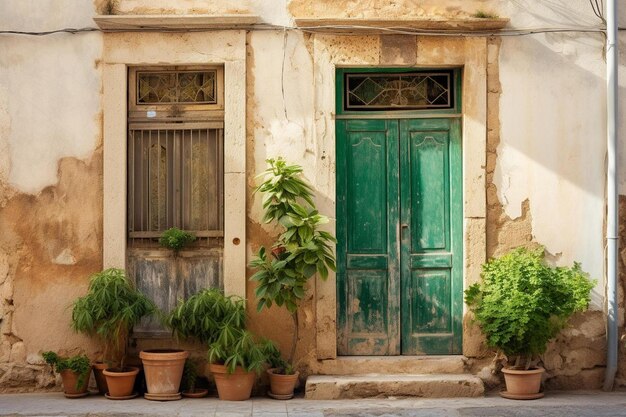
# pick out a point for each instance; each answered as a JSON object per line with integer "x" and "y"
{"x": 70, "y": 381}
{"x": 121, "y": 382}
{"x": 163, "y": 369}
{"x": 101, "y": 380}
{"x": 282, "y": 384}
{"x": 232, "y": 387}
{"x": 521, "y": 382}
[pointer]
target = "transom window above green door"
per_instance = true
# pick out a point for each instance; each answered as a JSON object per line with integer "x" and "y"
{"x": 396, "y": 90}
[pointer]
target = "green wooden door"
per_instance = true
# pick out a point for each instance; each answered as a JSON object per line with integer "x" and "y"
{"x": 399, "y": 211}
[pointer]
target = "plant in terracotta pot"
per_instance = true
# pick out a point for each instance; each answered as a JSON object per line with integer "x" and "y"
{"x": 521, "y": 304}
{"x": 234, "y": 355}
{"x": 200, "y": 316}
{"x": 300, "y": 251}
{"x": 109, "y": 311}
{"x": 75, "y": 372}
{"x": 163, "y": 368}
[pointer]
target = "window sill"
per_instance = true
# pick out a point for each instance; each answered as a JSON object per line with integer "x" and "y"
{"x": 114, "y": 23}
{"x": 411, "y": 25}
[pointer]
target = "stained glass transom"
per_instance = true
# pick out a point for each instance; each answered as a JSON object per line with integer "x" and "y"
{"x": 403, "y": 91}
{"x": 184, "y": 87}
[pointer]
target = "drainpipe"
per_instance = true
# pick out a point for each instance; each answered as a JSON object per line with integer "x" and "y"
{"x": 612, "y": 199}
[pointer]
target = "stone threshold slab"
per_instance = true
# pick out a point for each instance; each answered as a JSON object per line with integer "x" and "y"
{"x": 334, "y": 387}
{"x": 350, "y": 365}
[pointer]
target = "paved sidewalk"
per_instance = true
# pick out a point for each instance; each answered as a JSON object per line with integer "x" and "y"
{"x": 587, "y": 404}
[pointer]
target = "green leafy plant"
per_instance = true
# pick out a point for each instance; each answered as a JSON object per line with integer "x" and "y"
{"x": 205, "y": 314}
{"x": 78, "y": 364}
{"x": 219, "y": 321}
{"x": 176, "y": 239}
{"x": 109, "y": 311}
{"x": 522, "y": 303}
{"x": 481, "y": 14}
{"x": 190, "y": 375}
{"x": 301, "y": 250}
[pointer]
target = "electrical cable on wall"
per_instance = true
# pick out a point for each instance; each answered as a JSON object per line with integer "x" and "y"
{"x": 338, "y": 29}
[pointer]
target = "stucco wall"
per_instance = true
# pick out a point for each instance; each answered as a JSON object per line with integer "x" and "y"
{"x": 545, "y": 155}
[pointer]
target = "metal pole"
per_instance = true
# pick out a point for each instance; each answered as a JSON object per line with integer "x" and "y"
{"x": 612, "y": 199}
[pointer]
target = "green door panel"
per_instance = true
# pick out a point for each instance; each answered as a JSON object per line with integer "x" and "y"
{"x": 431, "y": 246}
{"x": 367, "y": 205}
{"x": 399, "y": 250}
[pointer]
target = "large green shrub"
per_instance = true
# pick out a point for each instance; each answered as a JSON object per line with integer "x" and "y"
{"x": 300, "y": 251}
{"x": 109, "y": 311}
{"x": 522, "y": 303}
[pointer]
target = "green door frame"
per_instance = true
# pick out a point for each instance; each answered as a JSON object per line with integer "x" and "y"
{"x": 404, "y": 265}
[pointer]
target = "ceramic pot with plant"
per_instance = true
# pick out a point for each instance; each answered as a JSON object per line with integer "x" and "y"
{"x": 200, "y": 317}
{"x": 521, "y": 304}
{"x": 283, "y": 378}
{"x": 219, "y": 321}
{"x": 75, "y": 372}
{"x": 108, "y": 312}
{"x": 300, "y": 252}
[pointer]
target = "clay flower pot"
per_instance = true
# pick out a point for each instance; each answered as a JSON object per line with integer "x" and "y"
{"x": 522, "y": 384}
{"x": 121, "y": 381}
{"x": 164, "y": 370}
{"x": 70, "y": 380}
{"x": 282, "y": 386}
{"x": 101, "y": 381}
{"x": 232, "y": 387}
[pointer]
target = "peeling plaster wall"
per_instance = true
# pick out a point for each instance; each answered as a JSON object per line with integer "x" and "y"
{"x": 50, "y": 185}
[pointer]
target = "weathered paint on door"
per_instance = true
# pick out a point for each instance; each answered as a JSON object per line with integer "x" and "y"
{"x": 399, "y": 212}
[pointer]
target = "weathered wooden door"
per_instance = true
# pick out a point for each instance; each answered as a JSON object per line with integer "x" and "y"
{"x": 399, "y": 211}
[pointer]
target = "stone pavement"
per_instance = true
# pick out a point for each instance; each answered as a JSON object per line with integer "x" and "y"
{"x": 569, "y": 404}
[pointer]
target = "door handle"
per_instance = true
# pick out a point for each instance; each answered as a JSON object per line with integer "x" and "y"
{"x": 404, "y": 226}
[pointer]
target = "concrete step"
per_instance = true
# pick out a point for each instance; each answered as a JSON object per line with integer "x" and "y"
{"x": 352, "y": 365}
{"x": 333, "y": 387}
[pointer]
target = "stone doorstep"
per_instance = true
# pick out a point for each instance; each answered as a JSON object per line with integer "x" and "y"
{"x": 334, "y": 387}
{"x": 352, "y": 365}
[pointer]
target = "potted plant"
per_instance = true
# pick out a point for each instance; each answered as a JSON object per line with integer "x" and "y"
{"x": 520, "y": 305}
{"x": 190, "y": 376}
{"x": 176, "y": 239}
{"x": 109, "y": 311}
{"x": 301, "y": 251}
{"x": 74, "y": 371}
{"x": 219, "y": 321}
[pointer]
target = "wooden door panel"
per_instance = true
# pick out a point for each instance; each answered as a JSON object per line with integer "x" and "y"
{"x": 367, "y": 255}
{"x": 431, "y": 228}
{"x": 428, "y": 158}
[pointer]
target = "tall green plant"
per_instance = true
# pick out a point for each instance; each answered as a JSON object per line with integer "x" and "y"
{"x": 522, "y": 303}
{"x": 300, "y": 251}
{"x": 109, "y": 311}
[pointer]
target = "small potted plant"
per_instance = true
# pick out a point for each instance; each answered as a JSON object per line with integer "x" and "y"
{"x": 282, "y": 376}
{"x": 109, "y": 311}
{"x": 176, "y": 239}
{"x": 520, "y": 305}
{"x": 75, "y": 372}
{"x": 301, "y": 251}
{"x": 190, "y": 377}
